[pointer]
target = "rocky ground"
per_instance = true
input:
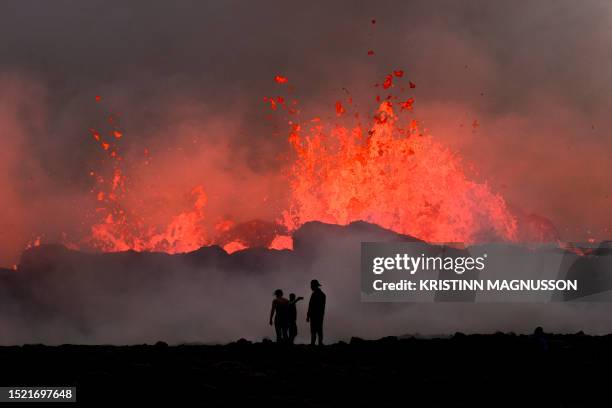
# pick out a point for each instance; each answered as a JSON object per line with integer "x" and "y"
{"x": 491, "y": 370}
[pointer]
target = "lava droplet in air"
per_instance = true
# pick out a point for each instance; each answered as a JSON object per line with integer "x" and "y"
{"x": 280, "y": 79}
{"x": 387, "y": 172}
{"x": 396, "y": 177}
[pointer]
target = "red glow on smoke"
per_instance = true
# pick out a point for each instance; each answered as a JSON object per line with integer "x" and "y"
{"x": 387, "y": 171}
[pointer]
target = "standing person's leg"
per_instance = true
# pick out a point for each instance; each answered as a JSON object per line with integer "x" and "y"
{"x": 313, "y": 332}
{"x": 285, "y": 334}
{"x": 318, "y": 324}
{"x": 292, "y": 332}
{"x": 279, "y": 333}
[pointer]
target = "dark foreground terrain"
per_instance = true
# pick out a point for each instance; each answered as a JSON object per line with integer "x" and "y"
{"x": 491, "y": 370}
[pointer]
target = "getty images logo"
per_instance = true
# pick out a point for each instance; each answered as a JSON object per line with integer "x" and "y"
{"x": 413, "y": 264}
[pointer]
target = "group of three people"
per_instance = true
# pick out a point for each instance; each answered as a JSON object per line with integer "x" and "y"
{"x": 284, "y": 315}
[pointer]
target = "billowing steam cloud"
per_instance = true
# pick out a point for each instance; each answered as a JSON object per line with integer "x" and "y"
{"x": 61, "y": 296}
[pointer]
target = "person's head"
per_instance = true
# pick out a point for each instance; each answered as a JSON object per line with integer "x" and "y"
{"x": 314, "y": 284}
{"x": 292, "y": 297}
{"x": 278, "y": 293}
{"x": 538, "y": 331}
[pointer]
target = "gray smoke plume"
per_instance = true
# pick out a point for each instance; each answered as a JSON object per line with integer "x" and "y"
{"x": 60, "y": 296}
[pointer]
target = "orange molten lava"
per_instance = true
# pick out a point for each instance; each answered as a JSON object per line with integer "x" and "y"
{"x": 388, "y": 173}
{"x": 392, "y": 175}
{"x": 119, "y": 229}
{"x": 184, "y": 232}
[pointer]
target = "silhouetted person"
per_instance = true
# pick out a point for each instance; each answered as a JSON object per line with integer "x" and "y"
{"x": 316, "y": 311}
{"x": 293, "y": 330}
{"x": 540, "y": 339}
{"x": 280, "y": 314}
